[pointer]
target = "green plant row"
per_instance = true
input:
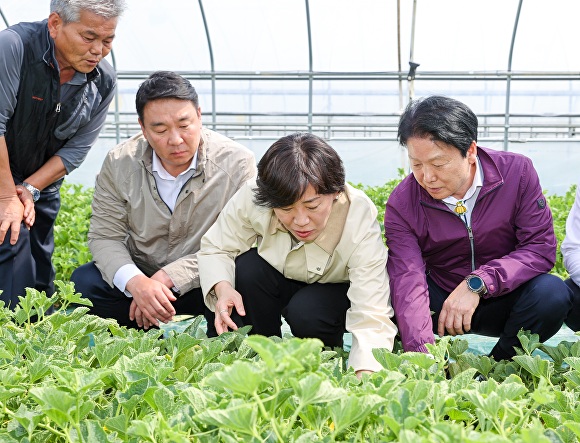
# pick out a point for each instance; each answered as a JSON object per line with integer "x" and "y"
{"x": 72, "y": 223}
{"x": 73, "y": 377}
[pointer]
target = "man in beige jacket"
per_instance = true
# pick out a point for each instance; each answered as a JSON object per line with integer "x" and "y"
{"x": 155, "y": 197}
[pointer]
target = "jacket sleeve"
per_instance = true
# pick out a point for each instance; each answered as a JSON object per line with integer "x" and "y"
{"x": 571, "y": 243}
{"x": 370, "y": 312}
{"x": 109, "y": 224}
{"x": 11, "y": 53}
{"x": 74, "y": 152}
{"x": 406, "y": 268}
{"x": 231, "y": 235}
{"x": 535, "y": 251}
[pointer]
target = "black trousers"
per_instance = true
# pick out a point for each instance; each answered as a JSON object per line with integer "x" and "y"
{"x": 109, "y": 302}
{"x": 540, "y": 306}
{"x": 573, "y": 319}
{"x": 313, "y": 310}
{"x": 28, "y": 263}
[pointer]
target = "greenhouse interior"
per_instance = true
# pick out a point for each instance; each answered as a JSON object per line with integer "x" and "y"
{"x": 345, "y": 71}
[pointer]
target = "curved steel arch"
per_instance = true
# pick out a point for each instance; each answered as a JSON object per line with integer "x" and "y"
{"x": 509, "y": 79}
{"x": 4, "y": 18}
{"x": 212, "y": 65}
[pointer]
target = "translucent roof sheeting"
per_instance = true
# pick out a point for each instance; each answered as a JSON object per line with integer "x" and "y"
{"x": 266, "y": 35}
{"x": 339, "y": 68}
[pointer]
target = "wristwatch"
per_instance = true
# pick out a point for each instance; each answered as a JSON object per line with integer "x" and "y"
{"x": 476, "y": 285}
{"x": 34, "y": 191}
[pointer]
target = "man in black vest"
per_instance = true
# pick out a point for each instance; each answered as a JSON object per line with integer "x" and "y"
{"x": 54, "y": 96}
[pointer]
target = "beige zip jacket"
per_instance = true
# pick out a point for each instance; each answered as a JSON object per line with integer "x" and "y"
{"x": 132, "y": 224}
{"x": 350, "y": 249}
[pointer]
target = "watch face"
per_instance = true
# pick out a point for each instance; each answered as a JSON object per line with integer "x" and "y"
{"x": 475, "y": 283}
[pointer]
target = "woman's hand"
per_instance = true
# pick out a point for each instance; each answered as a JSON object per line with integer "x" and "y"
{"x": 228, "y": 299}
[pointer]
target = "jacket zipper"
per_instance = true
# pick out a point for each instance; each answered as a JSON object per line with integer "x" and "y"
{"x": 469, "y": 232}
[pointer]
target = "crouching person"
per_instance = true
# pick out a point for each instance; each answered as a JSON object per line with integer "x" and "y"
{"x": 155, "y": 197}
{"x": 470, "y": 236}
{"x": 319, "y": 259}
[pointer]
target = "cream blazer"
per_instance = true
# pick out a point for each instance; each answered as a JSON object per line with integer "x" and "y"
{"x": 350, "y": 249}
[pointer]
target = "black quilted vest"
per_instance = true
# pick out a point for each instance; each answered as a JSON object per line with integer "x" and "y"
{"x": 41, "y": 124}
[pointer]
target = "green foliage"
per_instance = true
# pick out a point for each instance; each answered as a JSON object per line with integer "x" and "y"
{"x": 560, "y": 206}
{"x": 73, "y": 377}
{"x": 70, "y": 230}
{"x": 380, "y": 194}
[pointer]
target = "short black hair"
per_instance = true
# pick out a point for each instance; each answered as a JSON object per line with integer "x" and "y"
{"x": 294, "y": 162}
{"x": 440, "y": 119}
{"x": 164, "y": 84}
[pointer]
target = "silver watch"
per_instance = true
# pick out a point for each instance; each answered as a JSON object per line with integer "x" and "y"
{"x": 34, "y": 191}
{"x": 476, "y": 285}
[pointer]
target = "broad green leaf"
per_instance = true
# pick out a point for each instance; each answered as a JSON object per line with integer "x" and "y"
{"x": 536, "y": 365}
{"x": 352, "y": 409}
{"x": 420, "y": 359}
{"x": 512, "y": 388}
{"x": 28, "y": 418}
{"x": 239, "y": 416}
{"x": 529, "y": 342}
{"x": 462, "y": 380}
{"x": 160, "y": 399}
{"x": 574, "y": 362}
{"x": 458, "y": 346}
{"x": 543, "y": 393}
{"x": 91, "y": 430}
{"x": 387, "y": 359}
{"x": 109, "y": 351}
{"x": 314, "y": 416}
{"x": 314, "y": 388}
{"x": 118, "y": 423}
{"x": 242, "y": 377}
{"x": 574, "y": 427}
{"x": 197, "y": 398}
{"x": 458, "y": 414}
{"x": 56, "y": 403}
{"x": 144, "y": 429}
{"x": 292, "y": 355}
{"x": 482, "y": 363}
{"x": 10, "y": 392}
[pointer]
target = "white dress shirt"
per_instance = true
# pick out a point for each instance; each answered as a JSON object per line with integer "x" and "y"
{"x": 168, "y": 187}
{"x": 470, "y": 196}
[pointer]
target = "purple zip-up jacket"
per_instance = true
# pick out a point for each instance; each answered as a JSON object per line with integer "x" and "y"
{"x": 512, "y": 235}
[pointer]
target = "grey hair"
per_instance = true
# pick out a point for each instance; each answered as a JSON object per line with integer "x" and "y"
{"x": 70, "y": 10}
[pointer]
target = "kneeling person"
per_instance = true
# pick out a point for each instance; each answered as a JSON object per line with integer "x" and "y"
{"x": 319, "y": 261}
{"x": 155, "y": 197}
{"x": 470, "y": 236}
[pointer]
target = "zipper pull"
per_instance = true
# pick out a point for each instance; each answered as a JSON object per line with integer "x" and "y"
{"x": 57, "y": 108}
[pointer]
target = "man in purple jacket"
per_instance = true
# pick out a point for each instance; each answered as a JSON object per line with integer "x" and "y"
{"x": 470, "y": 236}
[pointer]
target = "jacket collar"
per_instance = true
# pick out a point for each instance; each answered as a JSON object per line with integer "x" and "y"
{"x": 330, "y": 237}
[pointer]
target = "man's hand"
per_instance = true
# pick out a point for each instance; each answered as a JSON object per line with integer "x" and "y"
{"x": 11, "y": 215}
{"x": 25, "y": 197}
{"x": 228, "y": 298}
{"x": 457, "y": 311}
{"x": 151, "y": 299}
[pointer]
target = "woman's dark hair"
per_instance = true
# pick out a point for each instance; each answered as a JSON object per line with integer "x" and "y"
{"x": 164, "y": 84}
{"x": 291, "y": 164}
{"x": 440, "y": 119}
